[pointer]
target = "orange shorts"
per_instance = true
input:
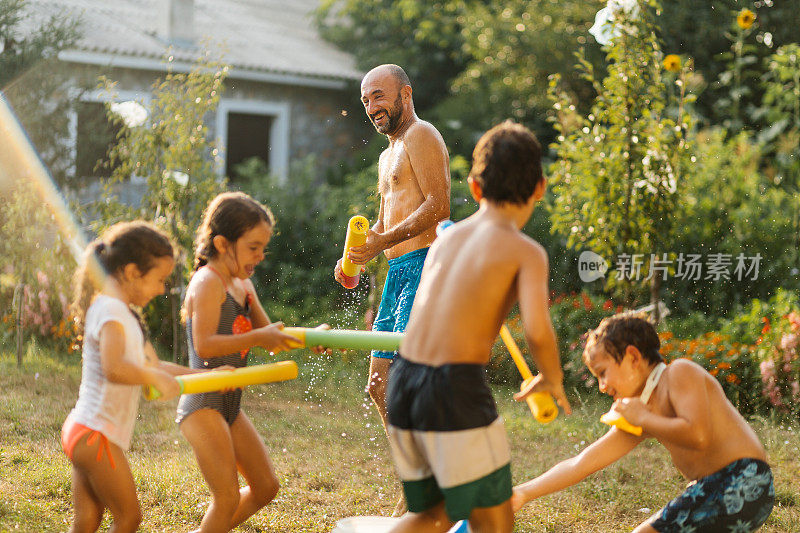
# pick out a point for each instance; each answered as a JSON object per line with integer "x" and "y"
{"x": 72, "y": 432}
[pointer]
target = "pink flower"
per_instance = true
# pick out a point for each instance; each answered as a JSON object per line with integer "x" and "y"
{"x": 775, "y": 397}
{"x": 795, "y": 389}
{"x": 794, "y": 320}
{"x": 42, "y": 278}
{"x": 789, "y": 341}
{"x": 767, "y": 371}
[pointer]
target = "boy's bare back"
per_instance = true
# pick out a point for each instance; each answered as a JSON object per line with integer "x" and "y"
{"x": 473, "y": 275}
{"x": 687, "y": 391}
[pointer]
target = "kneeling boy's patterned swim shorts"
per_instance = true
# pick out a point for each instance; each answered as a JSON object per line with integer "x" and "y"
{"x": 738, "y": 498}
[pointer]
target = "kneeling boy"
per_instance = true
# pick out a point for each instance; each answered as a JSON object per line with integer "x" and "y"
{"x": 685, "y": 409}
{"x": 448, "y": 443}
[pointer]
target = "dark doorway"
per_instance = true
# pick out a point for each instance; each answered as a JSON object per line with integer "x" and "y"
{"x": 248, "y": 136}
{"x": 95, "y": 135}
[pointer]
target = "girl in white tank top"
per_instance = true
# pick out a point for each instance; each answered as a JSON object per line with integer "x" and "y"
{"x": 126, "y": 267}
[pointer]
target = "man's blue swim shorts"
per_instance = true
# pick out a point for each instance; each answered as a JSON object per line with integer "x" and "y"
{"x": 401, "y": 285}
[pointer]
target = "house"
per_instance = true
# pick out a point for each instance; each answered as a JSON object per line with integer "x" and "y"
{"x": 289, "y": 94}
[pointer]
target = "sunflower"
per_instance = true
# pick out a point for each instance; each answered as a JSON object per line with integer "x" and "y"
{"x": 672, "y": 63}
{"x": 745, "y": 18}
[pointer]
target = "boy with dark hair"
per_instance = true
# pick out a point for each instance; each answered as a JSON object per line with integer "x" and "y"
{"x": 684, "y": 408}
{"x": 448, "y": 442}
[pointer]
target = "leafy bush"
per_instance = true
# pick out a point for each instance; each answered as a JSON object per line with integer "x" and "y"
{"x": 733, "y": 363}
{"x": 33, "y": 254}
{"x": 755, "y": 362}
{"x": 750, "y": 323}
{"x": 165, "y": 142}
{"x": 724, "y": 206}
{"x": 296, "y": 278}
{"x": 573, "y": 315}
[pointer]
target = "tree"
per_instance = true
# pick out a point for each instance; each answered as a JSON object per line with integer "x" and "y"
{"x": 423, "y": 37}
{"x": 730, "y": 207}
{"x": 165, "y": 142}
{"x": 512, "y": 47}
{"x": 473, "y": 63}
{"x": 780, "y": 109}
{"x": 35, "y": 82}
{"x": 617, "y": 174}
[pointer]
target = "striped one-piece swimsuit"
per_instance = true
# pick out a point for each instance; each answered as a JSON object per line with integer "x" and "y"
{"x": 227, "y": 404}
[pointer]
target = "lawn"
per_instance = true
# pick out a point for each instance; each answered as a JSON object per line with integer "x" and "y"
{"x": 331, "y": 456}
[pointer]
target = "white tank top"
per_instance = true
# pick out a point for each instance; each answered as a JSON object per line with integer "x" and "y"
{"x": 107, "y": 407}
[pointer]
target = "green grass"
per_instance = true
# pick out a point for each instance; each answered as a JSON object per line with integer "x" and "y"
{"x": 331, "y": 457}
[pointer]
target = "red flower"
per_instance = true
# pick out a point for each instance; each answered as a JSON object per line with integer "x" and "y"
{"x": 608, "y": 305}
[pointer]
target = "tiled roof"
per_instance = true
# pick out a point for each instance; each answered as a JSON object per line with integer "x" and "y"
{"x": 267, "y": 36}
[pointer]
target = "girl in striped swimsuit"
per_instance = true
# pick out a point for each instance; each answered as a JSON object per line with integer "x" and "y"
{"x": 224, "y": 319}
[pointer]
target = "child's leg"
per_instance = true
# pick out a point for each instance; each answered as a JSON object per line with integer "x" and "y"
{"x": 210, "y": 437}
{"x": 645, "y": 528}
{"x": 433, "y": 520}
{"x": 113, "y": 487}
{"x": 496, "y": 519}
{"x": 88, "y": 508}
{"x": 256, "y": 467}
{"x": 376, "y": 384}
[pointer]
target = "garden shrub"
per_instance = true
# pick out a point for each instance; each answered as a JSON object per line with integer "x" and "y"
{"x": 34, "y": 254}
{"x": 733, "y": 363}
{"x": 573, "y": 315}
{"x": 780, "y": 365}
{"x": 296, "y": 278}
{"x": 753, "y": 355}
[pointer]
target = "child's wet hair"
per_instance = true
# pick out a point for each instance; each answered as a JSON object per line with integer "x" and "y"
{"x": 616, "y": 333}
{"x": 230, "y": 214}
{"x": 507, "y": 163}
{"x": 137, "y": 242}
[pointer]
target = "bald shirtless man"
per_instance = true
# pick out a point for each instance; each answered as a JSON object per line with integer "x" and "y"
{"x": 414, "y": 184}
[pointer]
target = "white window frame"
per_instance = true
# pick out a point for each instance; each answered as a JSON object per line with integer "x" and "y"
{"x": 278, "y": 132}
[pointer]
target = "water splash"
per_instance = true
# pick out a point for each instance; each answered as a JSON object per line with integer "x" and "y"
{"x": 20, "y": 162}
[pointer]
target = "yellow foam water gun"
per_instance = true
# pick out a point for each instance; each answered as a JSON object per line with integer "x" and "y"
{"x": 357, "y": 229}
{"x": 541, "y": 404}
{"x": 613, "y": 418}
{"x": 216, "y": 380}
